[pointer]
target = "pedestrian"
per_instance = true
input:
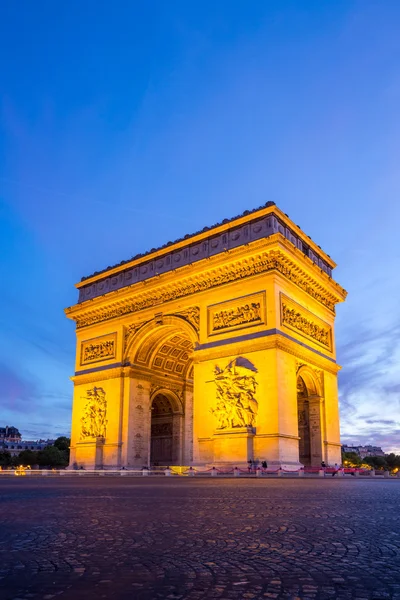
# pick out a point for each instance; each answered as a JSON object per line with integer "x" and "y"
{"x": 323, "y": 465}
{"x": 264, "y": 464}
{"x": 249, "y": 465}
{"x": 336, "y": 470}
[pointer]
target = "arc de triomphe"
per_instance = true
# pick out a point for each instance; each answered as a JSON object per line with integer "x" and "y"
{"x": 215, "y": 349}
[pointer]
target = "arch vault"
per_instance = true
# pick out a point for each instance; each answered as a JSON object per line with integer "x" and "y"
{"x": 218, "y": 348}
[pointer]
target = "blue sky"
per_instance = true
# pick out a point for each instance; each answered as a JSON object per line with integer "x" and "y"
{"x": 128, "y": 124}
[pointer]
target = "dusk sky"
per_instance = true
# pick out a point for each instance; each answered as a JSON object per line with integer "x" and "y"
{"x": 126, "y": 124}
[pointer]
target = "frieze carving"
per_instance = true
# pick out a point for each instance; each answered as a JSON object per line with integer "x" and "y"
{"x": 301, "y": 320}
{"x": 191, "y": 314}
{"x": 98, "y": 349}
{"x": 93, "y": 421}
{"x": 236, "y": 405}
{"x": 237, "y": 313}
{"x": 262, "y": 263}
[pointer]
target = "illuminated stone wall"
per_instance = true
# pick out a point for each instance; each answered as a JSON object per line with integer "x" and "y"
{"x": 225, "y": 339}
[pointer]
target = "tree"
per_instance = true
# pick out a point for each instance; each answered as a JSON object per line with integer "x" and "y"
{"x": 393, "y": 460}
{"x": 63, "y": 443}
{"x": 377, "y": 462}
{"x": 52, "y": 457}
{"x": 5, "y": 459}
{"x": 352, "y": 458}
{"x": 27, "y": 457}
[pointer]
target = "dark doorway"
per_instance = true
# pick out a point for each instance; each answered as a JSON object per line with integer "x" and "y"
{"x": 161, "y": 431}
{"x": 303, "y": 412}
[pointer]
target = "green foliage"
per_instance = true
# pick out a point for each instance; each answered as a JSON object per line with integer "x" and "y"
{"x": 377, "y": 462}
{"x": 26, "y": 457}
{"x": 352, "y": 458}
{"x": 51, "y": 456}
{"x": 393, "y": 460}
{"x": 5, "y": 459}
{"x": 63, "y": 443}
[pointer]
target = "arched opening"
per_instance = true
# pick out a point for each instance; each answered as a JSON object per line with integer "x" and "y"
{"x": 160, "y": 353}
{"x": 303, "y": 413}
{"x": 309, "y": 419}
{"x": 162, "y": 439}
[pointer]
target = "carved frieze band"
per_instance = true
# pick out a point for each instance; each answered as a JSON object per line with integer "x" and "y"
{"x": 235, "y": 314}
{"x": 300, "y": 320}
{"x": 98, "y": 349}
{"x": 262, "y": 263}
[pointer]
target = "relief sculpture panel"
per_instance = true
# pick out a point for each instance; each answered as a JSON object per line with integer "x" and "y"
{"x": 302, "y": 321}
{"x": 93, "y": 421}
{"x": 98, "y": 349}
{"x": 236, "y": 404}
{"x": 236, "y": 314}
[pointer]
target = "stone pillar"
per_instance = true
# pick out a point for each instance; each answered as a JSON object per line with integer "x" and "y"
{"x": 277, "y": 432}
{"x": 333, "y": 450}
{"x": 98, "y": 452}
{"x": 315, "y": 413}
{"x": 187, "y": 437}
{"x": 233, "y": 446}
{"x": 89, "y": 453}
{"x": 136, "y": 426}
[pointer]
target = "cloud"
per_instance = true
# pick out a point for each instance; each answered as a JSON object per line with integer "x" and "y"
{"x": 380, "y": 422}
{"x": 17, "y": 393}
{"x": 369, "y": 388}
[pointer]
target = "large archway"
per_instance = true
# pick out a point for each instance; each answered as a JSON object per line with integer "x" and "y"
{"x": 309, "y": 419}
{"x": 160, "y": 353}
{"x": 164, "y": 445}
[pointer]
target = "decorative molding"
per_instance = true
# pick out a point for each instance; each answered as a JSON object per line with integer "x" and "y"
{"x": 93, "y": 421}
{"x": 155, "y": 387}
{"x": 191, "y": 314}
{"x": 238, "y": 313}
{"x": 99, "y": 349}
{"x": 274, "y": 260}
{"x": 95, "y": 377}
{"x": 236, "y": 405}
{"x": 268, "y": 343}
{"x": 299, "y": 319}
{"x": 319, "y": 374}
{"x": 131, "y": 329}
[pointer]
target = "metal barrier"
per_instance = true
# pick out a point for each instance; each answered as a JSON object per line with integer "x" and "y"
{"x": 257, "y": 472}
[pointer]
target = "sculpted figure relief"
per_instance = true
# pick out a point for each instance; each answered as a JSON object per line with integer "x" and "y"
{"x": 236, "y": 387}
{"x": 93, "y": 421}
{"x": 295, "y": 319}
{"x": 248, "y": 313}
{"x": 99, "y": 351}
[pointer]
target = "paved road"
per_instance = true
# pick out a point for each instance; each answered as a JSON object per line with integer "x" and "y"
{"x": 196, "y": 539}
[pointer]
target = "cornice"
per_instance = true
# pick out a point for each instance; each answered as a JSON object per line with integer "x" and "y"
{"x": 113, "y": 373}
{"x": 166, "y": 288}
{"x": 275, "y": 342}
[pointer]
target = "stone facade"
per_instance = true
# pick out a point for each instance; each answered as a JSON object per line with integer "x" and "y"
{"x": 222, "y": 356}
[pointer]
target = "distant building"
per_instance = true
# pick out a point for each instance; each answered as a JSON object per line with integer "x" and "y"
{"x": 15, "y": 448}
{"x": 363, "y": 451}
{"x": 9, "y": 434}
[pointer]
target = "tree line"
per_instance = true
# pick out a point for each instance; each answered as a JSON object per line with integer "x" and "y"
{"x": 51, "y": 456}
{"x": 390, "y": 462}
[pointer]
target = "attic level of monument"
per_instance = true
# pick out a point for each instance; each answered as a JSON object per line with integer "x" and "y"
{"x": 249, "y": 227}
